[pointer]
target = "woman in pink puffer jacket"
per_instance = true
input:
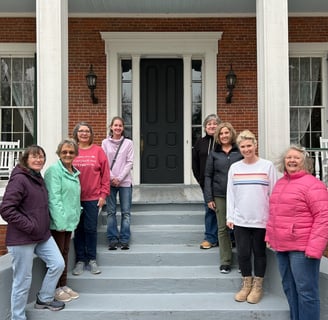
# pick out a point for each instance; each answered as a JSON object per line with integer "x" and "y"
{"x": 298, "y": 231}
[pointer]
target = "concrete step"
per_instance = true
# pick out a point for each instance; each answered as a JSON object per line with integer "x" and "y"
{"x": 163, "y": 216}
{"x": 190, "y": 234}
{"x": 175, "y": 306}
{"x": 159, "y": 255}
{"x": 162, "y": 279}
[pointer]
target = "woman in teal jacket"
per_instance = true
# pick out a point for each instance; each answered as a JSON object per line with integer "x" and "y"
{"x": 63, "y": 184}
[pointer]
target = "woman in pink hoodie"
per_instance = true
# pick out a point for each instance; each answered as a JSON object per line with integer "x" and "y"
{"x": 298, "y": 231}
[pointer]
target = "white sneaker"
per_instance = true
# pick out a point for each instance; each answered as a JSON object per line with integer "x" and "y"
{"x": 94, "y": 267}
{"x": 78, "y": 269}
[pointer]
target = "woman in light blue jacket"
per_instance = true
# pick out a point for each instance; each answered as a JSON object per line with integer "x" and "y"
{"x": 63, "y": 184}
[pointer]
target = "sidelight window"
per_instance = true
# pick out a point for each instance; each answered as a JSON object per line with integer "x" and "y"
{"x": 197, "y": 99}
{"x": 126, "y": 96}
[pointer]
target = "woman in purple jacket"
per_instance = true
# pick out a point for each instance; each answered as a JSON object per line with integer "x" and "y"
{"x": 298, "y": 231}
{"x": 25, "y": 208}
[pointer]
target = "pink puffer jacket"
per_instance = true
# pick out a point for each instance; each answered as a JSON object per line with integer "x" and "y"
{"x": 298, "y": 219}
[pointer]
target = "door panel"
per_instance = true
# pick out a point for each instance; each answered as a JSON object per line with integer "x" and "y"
{"x": 161, "y": 105}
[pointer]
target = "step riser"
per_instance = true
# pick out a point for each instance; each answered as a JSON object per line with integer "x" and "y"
{"x": 161, "y": 315}
{"x": 144, "y": 219}
{"x": 190, "y": 238}
{"x": 120, "y": 258}
{"x": 155, "y": 285}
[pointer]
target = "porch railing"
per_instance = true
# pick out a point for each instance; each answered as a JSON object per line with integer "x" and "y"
{"x": 315, "y": 153}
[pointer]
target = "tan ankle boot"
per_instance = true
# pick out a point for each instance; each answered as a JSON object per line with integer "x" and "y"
{"x": 246, "y": 288}
{"x": 257, "y": 291}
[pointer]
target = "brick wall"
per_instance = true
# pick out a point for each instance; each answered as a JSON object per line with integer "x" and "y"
{"x": 238, "y": 46}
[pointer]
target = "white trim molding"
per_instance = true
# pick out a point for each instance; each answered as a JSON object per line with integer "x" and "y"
{"x": 143, "y": 45}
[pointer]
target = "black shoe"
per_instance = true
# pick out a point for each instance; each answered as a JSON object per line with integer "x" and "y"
{"x": 112, "y": 246}
{"x": 125, "y": 246}
{"x": 225, "y": 269}
{"x": 53, "y": 305}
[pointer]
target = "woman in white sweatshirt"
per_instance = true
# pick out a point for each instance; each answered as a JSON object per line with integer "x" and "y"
{"x": 250, "y": 183}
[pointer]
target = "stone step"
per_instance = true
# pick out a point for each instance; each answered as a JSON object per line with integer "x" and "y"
{"x": 175, "y": 306}
{"x": 160, "y": 279}
{"x": 159, "y": 255}
{"x": 174, "y": 216}
{"x": 161, "y": 234}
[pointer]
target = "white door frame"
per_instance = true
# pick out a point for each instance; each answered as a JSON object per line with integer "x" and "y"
{"x": 141, "y": 45}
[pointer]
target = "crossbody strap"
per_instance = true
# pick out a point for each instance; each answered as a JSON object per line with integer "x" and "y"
{"x": 118, "y": 149}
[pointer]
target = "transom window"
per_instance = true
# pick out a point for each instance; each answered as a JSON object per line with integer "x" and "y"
{"x": 17, "y": 99}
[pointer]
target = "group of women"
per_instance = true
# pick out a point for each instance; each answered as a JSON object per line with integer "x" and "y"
{"x": 289, "y": 215}
{"x": 42, "y": 213}
{"x": 241, "y": 192}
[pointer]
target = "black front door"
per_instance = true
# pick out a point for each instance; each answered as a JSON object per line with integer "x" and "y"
{"x": 161, "y": 127}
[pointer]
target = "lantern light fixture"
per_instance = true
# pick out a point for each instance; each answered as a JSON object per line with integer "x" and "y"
{"x": 92, "y": 84}
{"x": 231, "y": 79}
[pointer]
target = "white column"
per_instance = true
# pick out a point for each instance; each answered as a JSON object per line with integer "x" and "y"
{"x": 52, "y": 74}
{"x": 272, "y": 81}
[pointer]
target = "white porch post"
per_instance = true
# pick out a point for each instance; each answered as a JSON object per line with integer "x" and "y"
{"x": 272, "y": 81}
{"x": 52, "y": 74}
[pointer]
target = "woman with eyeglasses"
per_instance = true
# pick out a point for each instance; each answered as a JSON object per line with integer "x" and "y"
{"x": 94, "y": 179}
{"x": 63, "y": 184}
{"x": 250, "y": 183}
{"x": 25, "y": 208}
{"x": 297, "y": 230}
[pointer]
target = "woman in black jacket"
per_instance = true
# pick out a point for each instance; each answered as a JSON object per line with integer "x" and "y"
{"x": 218, "y": 163}
{"x": 200, "y": 151}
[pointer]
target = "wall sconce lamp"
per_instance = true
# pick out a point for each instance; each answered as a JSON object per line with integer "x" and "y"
{"x": 231, "y": 79}
{"x": 92, "y": 84}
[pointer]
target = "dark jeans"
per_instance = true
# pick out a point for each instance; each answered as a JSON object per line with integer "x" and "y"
{"x": 85, "y": 238}
{"x": 211, "y": 225}
{"x": 250, "y": 241}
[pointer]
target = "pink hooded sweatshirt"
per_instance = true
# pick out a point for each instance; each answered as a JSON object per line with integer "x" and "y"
{"x": 298, "y": 219}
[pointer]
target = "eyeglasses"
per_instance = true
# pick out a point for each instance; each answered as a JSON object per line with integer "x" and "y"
{"x": 36, "y": 157}
{"x": 67, "y": 152}
{"x": 84, "y": 131}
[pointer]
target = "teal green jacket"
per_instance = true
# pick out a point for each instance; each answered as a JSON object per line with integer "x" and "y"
{"x": 64, "y": 192}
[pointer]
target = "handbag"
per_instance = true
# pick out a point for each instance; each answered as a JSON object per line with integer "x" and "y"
{"x": 118, "y": 149}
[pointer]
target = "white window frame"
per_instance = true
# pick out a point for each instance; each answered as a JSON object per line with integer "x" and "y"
{"x": 315, "y": 49}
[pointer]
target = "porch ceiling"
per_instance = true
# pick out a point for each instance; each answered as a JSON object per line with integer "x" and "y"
{"x": 163, "y": 7}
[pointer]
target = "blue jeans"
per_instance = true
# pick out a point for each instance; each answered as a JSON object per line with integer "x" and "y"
{"x": 85, "y": 238}
{"x": 22, "y": 263}
{"x": 211, "y": 225}
{"x": 125, "y": 195}
{"x": 300, "y": 281}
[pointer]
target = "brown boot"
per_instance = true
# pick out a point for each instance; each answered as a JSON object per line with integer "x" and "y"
{"x": 257, "y": 291}
{"x": 246, "y": 288}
